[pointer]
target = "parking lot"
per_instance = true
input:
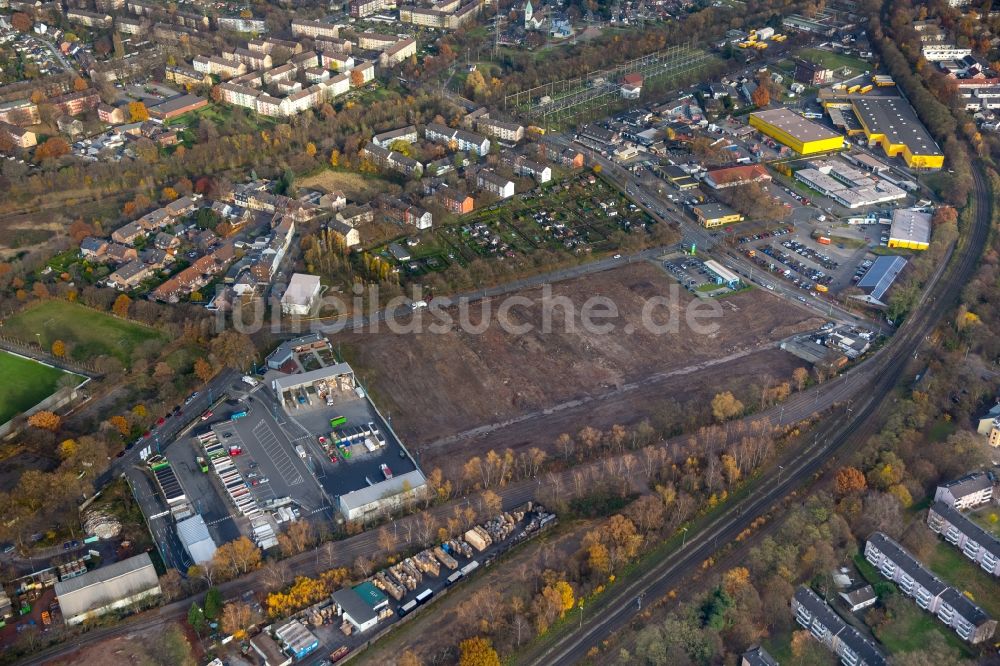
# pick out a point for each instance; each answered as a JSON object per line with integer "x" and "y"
{"x": 268, "y": 460}
{"x": 794, "y": 254}
{"x": 341, "y": 473}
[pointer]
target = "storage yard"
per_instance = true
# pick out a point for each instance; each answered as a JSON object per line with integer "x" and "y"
{"x": 438, "y": 385}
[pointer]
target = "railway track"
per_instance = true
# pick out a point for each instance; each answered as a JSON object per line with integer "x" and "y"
{"x": 835, "y": 437}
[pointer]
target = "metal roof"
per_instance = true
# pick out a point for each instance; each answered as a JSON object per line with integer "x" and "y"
{"x": 896, "y": 119}
{"x": 103, "y": 586}
{"x": 389, "y": 487}
{"x": 911, "y": 226}
{"x": 351, "y": 603}
{"x": 881, "y": 275}
{"x": 292, "y": 381}
{"x": 194, "y": 536}
{"x": 794, "y": 125}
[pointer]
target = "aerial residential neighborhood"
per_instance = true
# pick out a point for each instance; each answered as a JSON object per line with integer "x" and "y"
{"x": 529, "y": 332}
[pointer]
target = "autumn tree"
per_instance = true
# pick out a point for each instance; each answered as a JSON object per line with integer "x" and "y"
{"x": 120, "y": 424}
{"x": 138, "y": 112}
{"x": 21, "y": 22}
{"x": 53, "y": 148}
{"x": 801, "y": 377}
{"x": 233, "y": 349}
{"x": 735, "y": 580}
{"x": 59, "y": 348}
{"x": 237, "y": 557}
{"x": 477, "y": 651}
{"x": 203, "y": 370}
{"x": 237, "y": 618}
{"x": 79, "y": 84}
{"x": 121, "y": 306}
{"x": 296, "y": 538}
{"x": 850, "y": 481}
{"x": 45, "y": 420}
{"x": 761, "y": 96}
{"x": 409, "y": 658}
{"x": 357, "y": 78}
{"x": 725, "y": 406}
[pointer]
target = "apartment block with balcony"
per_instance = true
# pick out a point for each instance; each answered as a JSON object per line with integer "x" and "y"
{"x": 967, "y": 492}
{"x": 975, "y": 543}
{"x": 929, "y": 592}
{"x": 828, "y": 628}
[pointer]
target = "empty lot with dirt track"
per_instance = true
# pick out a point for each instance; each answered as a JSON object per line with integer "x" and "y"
{"x": 452, "y": 392}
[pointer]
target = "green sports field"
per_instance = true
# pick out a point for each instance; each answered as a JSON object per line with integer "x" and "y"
{"x": 88, "y": 332}
{"x": 25, "y": 384}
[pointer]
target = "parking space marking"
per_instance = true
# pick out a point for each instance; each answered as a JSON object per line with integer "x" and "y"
{"x": 282, "y": 461}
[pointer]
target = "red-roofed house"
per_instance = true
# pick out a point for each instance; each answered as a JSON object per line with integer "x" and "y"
{"x": 719, "y": 179}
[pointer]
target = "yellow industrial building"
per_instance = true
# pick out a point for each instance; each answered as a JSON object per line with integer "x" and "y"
{"x": 800, "y": 134}
{"x": 910, "y": 230}
{"x": 893, "y": 124}
{"x": 716, "y": 215}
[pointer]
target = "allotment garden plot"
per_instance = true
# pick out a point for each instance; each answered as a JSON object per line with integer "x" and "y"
{"x": 580, "y": 216}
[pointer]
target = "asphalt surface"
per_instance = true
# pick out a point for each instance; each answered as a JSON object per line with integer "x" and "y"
{"x": 872, "y": 385}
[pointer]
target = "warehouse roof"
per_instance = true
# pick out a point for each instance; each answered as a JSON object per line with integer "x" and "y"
{"x": 795, "y": 125}
{"x": 351, "y": 603}
{"x": 387, "y": 488}
{"x": 896, "y": 119}
{"x": 910, "y": 225}
{"x": 291, "y": 381}
{"x": 105, "y": 585}
{"x": 881, "y": 275}
{"x": 194, "y": 536}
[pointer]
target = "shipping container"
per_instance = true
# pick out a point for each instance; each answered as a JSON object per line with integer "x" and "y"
{"x": 454, "y": 578}
{"x": 407, "y": 607}
{"x": 424, "y": 596}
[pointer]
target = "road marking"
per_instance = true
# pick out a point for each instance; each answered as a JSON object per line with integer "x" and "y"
{"x": 272, "y": 447}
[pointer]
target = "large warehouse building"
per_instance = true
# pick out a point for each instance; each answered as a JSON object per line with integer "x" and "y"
{"x": 911, "y": 229}
{"x": 384, "y": 496}
{"x": 801, "y": 135}
{"x": 893, "y": 124}
{"x": 106, "y": 589}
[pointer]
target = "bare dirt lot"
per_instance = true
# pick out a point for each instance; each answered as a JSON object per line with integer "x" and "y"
{"x": 355, "y": 186}
{"x": 499, "y": 389}
{"x": 133, "y": 648}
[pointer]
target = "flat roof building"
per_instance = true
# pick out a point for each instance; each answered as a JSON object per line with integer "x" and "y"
{"x": 911, "y": 229}
{"x": 893, "y": 124}
{"x": 298, "y": 640}
{"x": 300, "y": 296}
{"x": 723, "y": 274}
{"x": 194, "y": 536}
{"x": 715, "y": 215}
{"x": 881, "y": 275}
{"x": 385, "y": 495}
{"x": 798, "y": 133}
{"x": 106, "y": 589}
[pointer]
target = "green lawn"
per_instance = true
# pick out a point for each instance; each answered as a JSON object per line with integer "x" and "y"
{"x": 910, "y": 630}
{"x": 953, "y": 567}
{"x": 25, "y": 384}
{"x": 88, "y": 332}
{"x": 988, "y": 518}
{"x": 833, "y": 60}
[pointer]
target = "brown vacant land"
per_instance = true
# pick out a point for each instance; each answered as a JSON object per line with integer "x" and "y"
{"x": 355, "y": 186}
{"x": 447, "y": 390}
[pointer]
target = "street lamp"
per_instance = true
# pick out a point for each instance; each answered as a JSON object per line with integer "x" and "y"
{"x": 684, "y": 540}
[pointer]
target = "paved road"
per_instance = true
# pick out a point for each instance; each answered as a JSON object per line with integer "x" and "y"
{"x": 662, "y": 208}
{"x": 837, "y": 436}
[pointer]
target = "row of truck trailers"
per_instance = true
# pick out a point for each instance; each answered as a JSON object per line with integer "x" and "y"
{"x": 236, "y": 486}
